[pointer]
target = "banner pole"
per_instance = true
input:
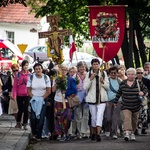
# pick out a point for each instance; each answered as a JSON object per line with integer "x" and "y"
{"x": 103, "y": 54}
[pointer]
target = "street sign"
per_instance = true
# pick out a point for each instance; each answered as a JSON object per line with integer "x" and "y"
{"x": 22, "y": 47}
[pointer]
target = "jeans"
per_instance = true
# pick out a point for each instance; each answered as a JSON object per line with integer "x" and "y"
{"x": 37, "y": 124}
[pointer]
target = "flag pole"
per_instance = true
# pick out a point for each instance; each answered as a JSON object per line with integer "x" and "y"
{"x": 76, "y": 57}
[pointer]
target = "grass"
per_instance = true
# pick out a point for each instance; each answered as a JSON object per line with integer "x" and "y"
{"x": 30, "y": 147}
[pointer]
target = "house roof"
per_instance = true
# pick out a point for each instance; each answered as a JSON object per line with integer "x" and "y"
{"x": 17, "y": 13}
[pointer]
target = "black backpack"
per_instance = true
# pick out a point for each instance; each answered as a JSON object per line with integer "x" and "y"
{"x": 4, "y": 79}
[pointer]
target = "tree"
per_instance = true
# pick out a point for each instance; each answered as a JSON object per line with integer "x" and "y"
{"x": 74, "y": 15}
{"x": 4, "y": 3}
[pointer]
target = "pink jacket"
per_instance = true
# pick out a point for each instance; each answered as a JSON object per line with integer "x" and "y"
{"x": 19, "y": 86}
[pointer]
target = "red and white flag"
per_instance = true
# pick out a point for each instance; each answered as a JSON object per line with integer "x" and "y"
{"x": 72, "y": 47}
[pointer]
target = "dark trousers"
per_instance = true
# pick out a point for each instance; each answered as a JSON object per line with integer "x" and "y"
{"x": 37, "y": 124}
{"x": 112, "y": 117}
{"x": 23, "y": 103}
{"x": 50, "y": 117}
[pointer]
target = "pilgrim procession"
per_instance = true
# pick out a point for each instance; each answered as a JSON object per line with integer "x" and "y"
{"x": 61, "y": 94}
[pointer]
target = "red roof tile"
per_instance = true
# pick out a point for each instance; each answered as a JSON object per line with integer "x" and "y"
{"x": 17, "y": 13}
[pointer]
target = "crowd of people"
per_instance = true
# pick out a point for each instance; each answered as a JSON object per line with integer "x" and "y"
{"x": 111, "y": 100}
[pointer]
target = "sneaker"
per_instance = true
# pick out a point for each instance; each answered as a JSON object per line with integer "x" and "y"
{"x": 84, "y": 136}
{"x": 79, "y": 137}
{"x": 143, "y": 131}
{"x": 133, "y": 137}
{"x": 107, "y": 134}
{"x": 18, "y": 125}
{"x": 75, "y": 137}
{"x": 114, "y": 137}
{"x": 98, "y": 138}
{"x": 62, "y": 139}
{"x": 93, "y": 137}
{"x": 59, "y": 137}
{"x": 25, "y": 127}
{"x": 33, "y": 137}
{"x": 68, "y": 137}
{"x": 126, "y": 138}
{"x": 136, "y": 132}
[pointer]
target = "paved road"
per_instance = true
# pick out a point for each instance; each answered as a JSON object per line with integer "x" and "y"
{"x": 142, "y": 143}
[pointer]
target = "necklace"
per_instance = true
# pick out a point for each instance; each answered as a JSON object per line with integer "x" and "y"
{"x": 81, "y": 76}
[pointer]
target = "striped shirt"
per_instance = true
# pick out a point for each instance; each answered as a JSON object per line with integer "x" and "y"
{"x": 129, "y": 95}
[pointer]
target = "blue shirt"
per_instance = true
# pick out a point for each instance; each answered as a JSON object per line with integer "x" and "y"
{"x": 71, "y": 87}
{"x": 114, "y": 83}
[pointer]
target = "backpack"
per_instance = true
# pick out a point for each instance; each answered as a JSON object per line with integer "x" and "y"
{"x": 31, "y": 78}
{"x": 4, "y": 80}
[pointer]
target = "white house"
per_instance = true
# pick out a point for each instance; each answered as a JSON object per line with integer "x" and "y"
{"x": 21, "y": 27}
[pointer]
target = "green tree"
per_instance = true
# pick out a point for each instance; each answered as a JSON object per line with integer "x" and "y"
{"x": 74, "y": 15}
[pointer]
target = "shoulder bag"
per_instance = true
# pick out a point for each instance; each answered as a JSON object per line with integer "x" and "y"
{"x": 142, "y": 98}
{"x": 73, "y": 100}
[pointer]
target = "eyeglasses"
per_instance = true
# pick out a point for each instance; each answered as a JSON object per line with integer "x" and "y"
{"x": 139, "y": 72}
{"x": 15, "y": 70}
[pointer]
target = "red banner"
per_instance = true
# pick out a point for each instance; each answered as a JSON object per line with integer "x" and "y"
{"x": 107, "y": 24}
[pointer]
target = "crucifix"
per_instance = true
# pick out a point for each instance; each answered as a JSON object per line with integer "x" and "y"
{"x": 53, "y": 20}
{"x": 55, "y": 36}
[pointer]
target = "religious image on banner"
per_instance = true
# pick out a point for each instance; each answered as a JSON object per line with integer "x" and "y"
{"x": 106, "y": 29}
{"x": 107, "y": 25}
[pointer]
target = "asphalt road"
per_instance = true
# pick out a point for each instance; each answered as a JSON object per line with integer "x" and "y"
{"x": 142, "y": 143}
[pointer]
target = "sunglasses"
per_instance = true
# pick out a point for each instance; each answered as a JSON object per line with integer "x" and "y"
{"x": 139, "y": 72}
{"x": 15, "y": 70}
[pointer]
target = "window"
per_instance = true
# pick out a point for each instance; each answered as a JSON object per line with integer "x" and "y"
{"x": 10, "y": 36}
{"x": 6, "y": 53}
{"x": 38, "y": 49}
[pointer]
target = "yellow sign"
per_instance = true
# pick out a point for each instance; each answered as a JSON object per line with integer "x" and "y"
{"x": 22, "y": 47}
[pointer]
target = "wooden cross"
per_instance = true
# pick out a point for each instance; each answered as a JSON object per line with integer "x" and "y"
{"x": 55, "y": 36}
{"x": 53, "y": 20}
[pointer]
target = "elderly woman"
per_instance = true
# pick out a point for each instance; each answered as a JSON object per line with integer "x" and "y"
{"x": 63, "y": 115}
{"x": 13, "y": 107}
{"x": 72, "y": 71}
{"x": 122, "y": 73}
{"x": 81, "y": 113}
{"x": 38, "y": 89}
{"x": 131, "y": 103}
{"x": 112, "y": 114}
